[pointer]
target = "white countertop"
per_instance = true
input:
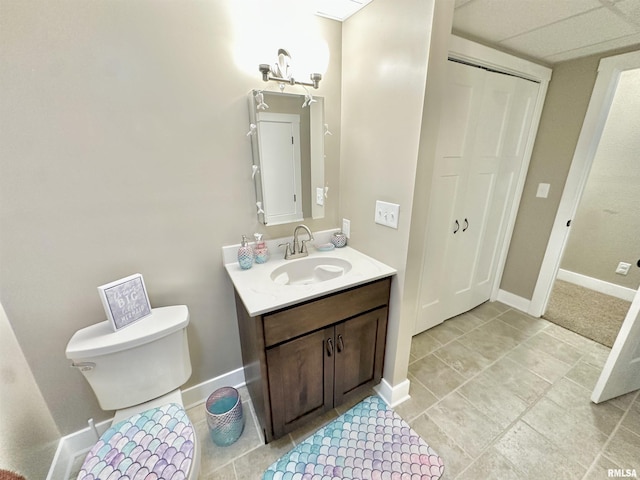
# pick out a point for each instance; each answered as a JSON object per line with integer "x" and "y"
{"x": 260, "y": 294}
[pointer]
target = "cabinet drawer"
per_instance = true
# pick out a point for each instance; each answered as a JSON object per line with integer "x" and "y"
{"x": 296, "y": 321}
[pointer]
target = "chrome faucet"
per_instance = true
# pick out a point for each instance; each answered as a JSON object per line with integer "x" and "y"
{"x": 299, "y": 248}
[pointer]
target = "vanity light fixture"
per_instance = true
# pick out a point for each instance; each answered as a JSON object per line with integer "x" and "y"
{"x": 281, "y": 72}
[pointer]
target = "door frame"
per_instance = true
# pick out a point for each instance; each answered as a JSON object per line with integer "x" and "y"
{"x": 473, "y": 53}
{"x": 609, "y": 70}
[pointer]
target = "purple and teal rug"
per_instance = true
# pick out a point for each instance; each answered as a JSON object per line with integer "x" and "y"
{"x": 369, "y": 441}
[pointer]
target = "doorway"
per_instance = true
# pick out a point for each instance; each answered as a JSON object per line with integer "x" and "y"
{"x": 609, "y": 74}
{"x": 598, "y": 276}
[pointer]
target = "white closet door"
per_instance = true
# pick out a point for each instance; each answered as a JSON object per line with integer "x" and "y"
{"x": 483, "y": 134}
{"x": 443, "y": 231}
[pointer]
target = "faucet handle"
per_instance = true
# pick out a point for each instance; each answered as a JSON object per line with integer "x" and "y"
{"x": 303, "y": 249}
{"x": 287, "y": 250}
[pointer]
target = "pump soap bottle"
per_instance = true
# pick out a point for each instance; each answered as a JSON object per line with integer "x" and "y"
{"x": 261, "y": 251}
{"x": 245, "y": 254}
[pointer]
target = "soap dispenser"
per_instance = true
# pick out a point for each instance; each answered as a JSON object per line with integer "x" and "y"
{"x": 261, "y": 251}
{"x": 245, "y": 254}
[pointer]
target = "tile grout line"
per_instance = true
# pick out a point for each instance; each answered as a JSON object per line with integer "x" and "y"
{"x": 609, "y": 439}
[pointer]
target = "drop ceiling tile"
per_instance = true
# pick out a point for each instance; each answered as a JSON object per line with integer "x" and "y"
{"x": 497, "y": 20}
{"x": 338, "y": 9}
{"x": 591, "y": 28}
{"x": 593, "y": 49}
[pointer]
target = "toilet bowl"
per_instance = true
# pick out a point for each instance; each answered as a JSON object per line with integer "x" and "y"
{"x": 137, "y": 371}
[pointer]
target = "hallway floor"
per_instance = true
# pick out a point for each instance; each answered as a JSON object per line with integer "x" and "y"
{"x": 498, "y": 394}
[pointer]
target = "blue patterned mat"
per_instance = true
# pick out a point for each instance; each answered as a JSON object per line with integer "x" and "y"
{"x": 370, "y": 441}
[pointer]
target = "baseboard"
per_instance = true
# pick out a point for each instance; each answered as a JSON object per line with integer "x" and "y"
{"x": 393, "y": 396}
{"x": 81, "y": 441}
{"x": 597, "y": 285}
{"x": 514, "y": 301}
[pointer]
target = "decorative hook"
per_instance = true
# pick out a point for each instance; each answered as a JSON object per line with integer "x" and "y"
{"x": 326, "y": 189}
{"x": 260, "y": 101}
{"x": 260, "y": 210}
{"x": 252, "y": 129}
{"x": 254, "y": 170}
{"x": 326, "y": 129}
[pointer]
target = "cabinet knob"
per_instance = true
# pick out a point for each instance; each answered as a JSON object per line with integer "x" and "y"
{"x": 329, "y": 347}
{"x": 457, "y": 227}
{"x": 466, "y": 225}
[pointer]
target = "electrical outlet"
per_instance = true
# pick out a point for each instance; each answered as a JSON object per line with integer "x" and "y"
{"x": 387, "y": 214}
{"x": 319, "y": 196}
{"x": 346, "y": 227}
{"x": 623, "y": 268}
{"x": 543, "y": 190}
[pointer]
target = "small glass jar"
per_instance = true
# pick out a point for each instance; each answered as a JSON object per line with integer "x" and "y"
{"x": 339, "y": 239}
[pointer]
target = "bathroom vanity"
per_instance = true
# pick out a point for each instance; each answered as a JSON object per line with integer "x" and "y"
{"x": 307, "y": 347}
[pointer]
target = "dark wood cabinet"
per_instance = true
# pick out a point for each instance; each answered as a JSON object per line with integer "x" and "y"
{"x": 304, "y": 360}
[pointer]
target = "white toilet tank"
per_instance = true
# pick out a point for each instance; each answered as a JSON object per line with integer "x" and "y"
{"x": 137, "y": 363}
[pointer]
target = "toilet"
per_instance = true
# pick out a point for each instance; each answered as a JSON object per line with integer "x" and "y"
{"x": 138, "y": 371}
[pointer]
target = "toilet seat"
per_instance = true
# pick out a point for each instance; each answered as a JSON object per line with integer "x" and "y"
{"x": 160, "y": 441}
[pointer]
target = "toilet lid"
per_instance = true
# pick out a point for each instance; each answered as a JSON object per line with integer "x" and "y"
{"x": 157, "y": 443}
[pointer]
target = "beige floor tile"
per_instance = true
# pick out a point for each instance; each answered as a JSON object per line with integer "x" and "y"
{"x": 423, "y": 344}
{"x": 493, "y": 339}
{"x": 524, "y": 322}
{"x": 466, "y": 322}
{"x": 597, "y": 355}
{"x": 584, "y": 374}
{"x": 599, "y": 470}
{"x": 532, "y": 453}
{"x": 445, "y": 332}
{"x": 224, "y": 473}
{"x": 623, "y": 401}
{"x": 540, "y": 363}
{"x": 572, "y": 437}
{"x": 491, "y": 465}
{"x": 569, "y": 337}
{"x": 488, "y": 310}
{"x": 213, "y": 456}
{"x": 555, "y": 347}
{"x": 632, "y": 420}
{"x": 577, "y": 399}
{"x": 518, "y": 380}
{"x": 420, "y": 400}
{"x": 455, "y": 459}
{"x": 252, "y": 465}
{"x": 464, "y": 423}
{"x": 462, "y": 359}
{"x": 493, "y": 399}
{"x": 624, "y": 449}
{"x": 436, "y": 375}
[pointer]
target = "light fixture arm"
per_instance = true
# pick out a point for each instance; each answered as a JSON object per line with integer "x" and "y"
{"x": 267, "y": 71}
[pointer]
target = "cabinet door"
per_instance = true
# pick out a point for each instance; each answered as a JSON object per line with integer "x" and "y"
{"x": 359, "y": 356}
{"x": 301, "y": 379}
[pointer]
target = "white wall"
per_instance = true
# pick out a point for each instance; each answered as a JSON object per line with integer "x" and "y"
{"x": 122, "y": 127}
{"x": 386, "y": 50}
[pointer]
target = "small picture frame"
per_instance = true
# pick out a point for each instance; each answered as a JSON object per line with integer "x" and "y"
{"x": 125, "y": 301}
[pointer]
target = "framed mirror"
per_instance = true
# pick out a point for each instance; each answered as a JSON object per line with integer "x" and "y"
{"x": 288, "y": 156}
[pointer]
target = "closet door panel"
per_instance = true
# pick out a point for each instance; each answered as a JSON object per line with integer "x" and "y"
{"x": 457, "y": 133}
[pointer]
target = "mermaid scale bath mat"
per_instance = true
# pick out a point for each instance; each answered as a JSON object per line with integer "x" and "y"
{"x": 157, "y": 443}
{"x": 370, "y": 441}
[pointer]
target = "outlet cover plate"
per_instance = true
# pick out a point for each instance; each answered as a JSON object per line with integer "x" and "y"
{"x": 387, "y": 214}
{"x": 623, "y": 268}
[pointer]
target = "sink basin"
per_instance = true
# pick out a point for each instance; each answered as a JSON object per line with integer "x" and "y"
{"x": 310, "y": 270}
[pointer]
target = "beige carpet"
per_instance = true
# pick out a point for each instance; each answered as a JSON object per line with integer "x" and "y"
{"x": 591, "y": 314}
